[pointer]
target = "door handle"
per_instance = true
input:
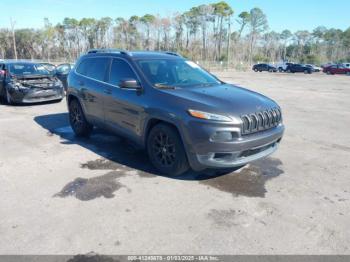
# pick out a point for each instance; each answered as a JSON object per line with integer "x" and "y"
{"x": 108, "y": 91}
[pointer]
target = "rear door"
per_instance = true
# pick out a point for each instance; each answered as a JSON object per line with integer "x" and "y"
{"x": 92, "y": 76}
{"x": 298, "y": 68}
{"x": 123, "y": 107}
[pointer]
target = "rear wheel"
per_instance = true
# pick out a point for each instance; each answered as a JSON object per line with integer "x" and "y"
{"x": 78, "y": 121}
{"x": 166, "y": 151}
{"x": 280, "y": 69}
{"x": 289, "y": 71}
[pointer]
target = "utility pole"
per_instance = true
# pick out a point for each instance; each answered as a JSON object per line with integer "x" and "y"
{"x": 228, "y": 42}
{"x": 13, "y": 23}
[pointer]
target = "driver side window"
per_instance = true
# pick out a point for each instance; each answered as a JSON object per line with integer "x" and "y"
{"x": 120, "y": 70}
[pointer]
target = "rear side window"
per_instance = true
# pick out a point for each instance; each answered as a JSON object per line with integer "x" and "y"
{"x": 120, "y": 70}
{"x": 94, "y": 68}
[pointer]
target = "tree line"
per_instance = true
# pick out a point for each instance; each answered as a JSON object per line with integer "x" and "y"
{"x": 210, "y": 32}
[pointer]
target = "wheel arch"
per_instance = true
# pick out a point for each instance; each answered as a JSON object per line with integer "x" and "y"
{"x": 152, "y": 122}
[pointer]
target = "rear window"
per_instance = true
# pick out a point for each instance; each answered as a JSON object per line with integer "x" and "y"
{"x": 94, "y": 68}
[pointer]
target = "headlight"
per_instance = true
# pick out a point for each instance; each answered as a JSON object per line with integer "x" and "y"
{"x": 18, "y": 86}
{"x": 208, "y": 116}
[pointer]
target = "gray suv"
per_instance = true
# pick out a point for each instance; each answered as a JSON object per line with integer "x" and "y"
{"x": 182, "y": 115}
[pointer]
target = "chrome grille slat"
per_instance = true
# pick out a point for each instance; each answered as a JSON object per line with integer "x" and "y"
{"x": 261, "y": 121}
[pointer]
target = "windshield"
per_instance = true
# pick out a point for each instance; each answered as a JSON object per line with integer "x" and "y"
{"x": 176, "y": 73}
{"x": 51, "y": 68}
{"x": 27, "y": 69}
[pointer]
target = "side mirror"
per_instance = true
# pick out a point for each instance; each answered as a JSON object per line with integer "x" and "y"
{"x": 130, "y": 84}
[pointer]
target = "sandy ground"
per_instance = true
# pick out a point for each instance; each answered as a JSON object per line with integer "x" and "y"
{"x": 61, "y": 195}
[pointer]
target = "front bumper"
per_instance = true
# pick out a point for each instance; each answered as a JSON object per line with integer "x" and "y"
{"x": 36, "y": 95}
{"x": 205, "y": 153}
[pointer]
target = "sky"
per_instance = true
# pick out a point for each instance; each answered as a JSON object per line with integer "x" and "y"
{"x": 293, "y": 15}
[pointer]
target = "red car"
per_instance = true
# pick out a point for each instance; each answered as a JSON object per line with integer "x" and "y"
{"x": 336, "y": 69}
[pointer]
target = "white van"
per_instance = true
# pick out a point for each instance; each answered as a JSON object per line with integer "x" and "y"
{"x": 347, "y": 65}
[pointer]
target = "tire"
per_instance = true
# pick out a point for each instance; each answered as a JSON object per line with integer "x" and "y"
{"x": 288, "y": 71}
{"x": 280, "y": 69}
{"x": 2, "y": 96}
{"x": 328, "y": 72}
{"x": 255, "y": 70}
{"x": 270, "y": 70}
{"x": 78, "y": 121}
{"x": 166, "y": 151}
{"x": 8, "y": 98}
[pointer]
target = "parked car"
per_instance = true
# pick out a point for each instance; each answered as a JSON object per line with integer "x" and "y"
{"x": 347, "y": 65}
{"x": 181, "y": 114}
{"x": 299, "y": 68}
{"x": 336, "y": 69}
{"x": 315, "y": 68}
{"x": 282, "y": 66}
{"x": 264, "y": 67}
{"x": 28, "y": 82}
{"x": 62, "y": 72}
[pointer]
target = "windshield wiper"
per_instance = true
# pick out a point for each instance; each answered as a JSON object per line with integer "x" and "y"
{"x": 161, "y": 86}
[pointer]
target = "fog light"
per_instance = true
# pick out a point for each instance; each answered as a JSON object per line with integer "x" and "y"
{"x": 222, "y": 136}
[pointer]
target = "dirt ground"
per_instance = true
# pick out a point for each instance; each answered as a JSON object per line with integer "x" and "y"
{"x": 62, "y": 195}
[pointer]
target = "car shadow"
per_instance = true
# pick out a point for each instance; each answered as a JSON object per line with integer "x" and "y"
{"x": 116, "y": 152}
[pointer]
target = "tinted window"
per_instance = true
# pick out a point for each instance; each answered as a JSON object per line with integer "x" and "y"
{"x": 82, "y": 68}
{"x": 120, "y": 70}
{"x": 95, "y": 68}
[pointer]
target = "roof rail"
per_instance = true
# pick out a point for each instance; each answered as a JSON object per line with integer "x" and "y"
{"x": 108, "y": 50}
{"x": 172, "y": 53}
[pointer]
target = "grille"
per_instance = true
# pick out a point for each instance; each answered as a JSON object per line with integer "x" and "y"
{"x": 261, "y": 121}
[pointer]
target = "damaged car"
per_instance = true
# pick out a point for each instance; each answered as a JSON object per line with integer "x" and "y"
{"x": 28, "y": 82}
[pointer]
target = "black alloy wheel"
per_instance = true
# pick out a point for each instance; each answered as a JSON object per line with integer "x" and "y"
{"x": 166, "y": 150}
{"x": 78, "y": 121}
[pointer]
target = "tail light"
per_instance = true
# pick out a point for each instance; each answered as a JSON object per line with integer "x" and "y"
{"x": 2, "y": 72}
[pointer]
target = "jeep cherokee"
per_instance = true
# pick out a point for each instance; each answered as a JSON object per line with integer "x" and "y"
{"x": 182, "y": 115}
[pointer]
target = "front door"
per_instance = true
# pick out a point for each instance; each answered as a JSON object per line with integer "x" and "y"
{"x": 123, "y": 107}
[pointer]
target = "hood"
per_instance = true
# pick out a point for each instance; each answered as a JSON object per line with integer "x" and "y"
{"x": 228, "y": 99}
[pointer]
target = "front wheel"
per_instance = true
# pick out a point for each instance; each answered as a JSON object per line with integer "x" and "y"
{"x": 166, "y": 151}
{"x": 77, "y": 120}
{"x": 8, "y": 98}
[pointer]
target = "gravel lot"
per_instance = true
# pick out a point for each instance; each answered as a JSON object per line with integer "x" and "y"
{"x": 61, "y": 195}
